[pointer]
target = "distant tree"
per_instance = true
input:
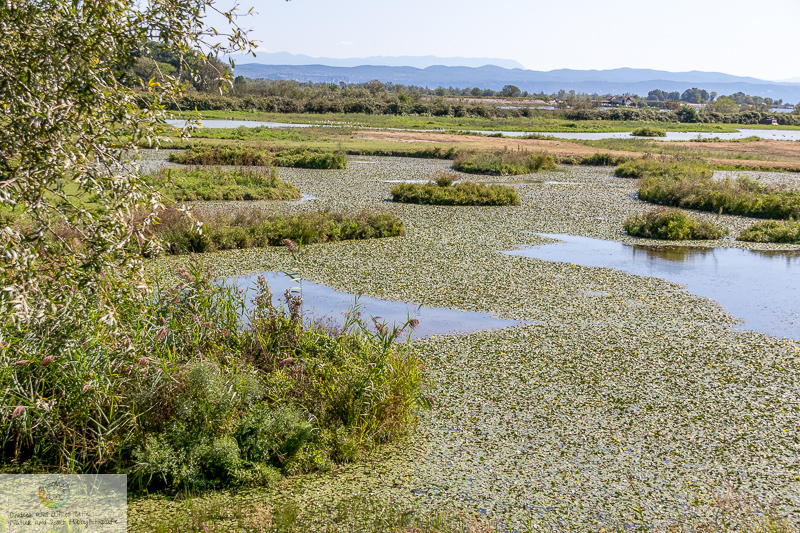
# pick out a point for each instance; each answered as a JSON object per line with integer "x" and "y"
{"x": 687, "y": 114}
{"x": 657, "y": 95}
{"x": 475, "y": 91}
{"x": 376, "y": 87}
{"x": 672, "y": 105}
{"x": 724, "y": 104}
{"x": 510, "y": 90}
{"x": 695, "y": 96}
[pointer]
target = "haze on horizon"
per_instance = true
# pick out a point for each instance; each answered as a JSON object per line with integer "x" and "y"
{"x": 729, "y": 36}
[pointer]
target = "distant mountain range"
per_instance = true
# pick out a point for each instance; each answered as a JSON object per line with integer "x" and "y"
{"x": 616, "y": 81}
{"x": 285, "y": 58}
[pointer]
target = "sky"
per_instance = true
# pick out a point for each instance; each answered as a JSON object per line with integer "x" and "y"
{"x": 744, "y": 38}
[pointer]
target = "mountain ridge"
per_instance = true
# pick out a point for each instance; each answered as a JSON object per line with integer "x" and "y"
{"x": 289, "y": 59}
{"x": 617, "y": 81}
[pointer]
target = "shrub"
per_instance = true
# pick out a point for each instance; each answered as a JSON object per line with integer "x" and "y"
{"x": 200, "y": 154}
{"x": 650, "y": 166}
{"x": 187, "y": 394}
{"x": 670, "y": 224}
{"x": 648, "y": 131}
{"x": 211, "y": 183}
{"x": 256, "y": 229}
{"x": 694, "y": 188}
{"x": 601, "y": 160}
{"x": 503, "y": 163}
{"x": 463, "y": 193}
{"x": 772, "y": 231}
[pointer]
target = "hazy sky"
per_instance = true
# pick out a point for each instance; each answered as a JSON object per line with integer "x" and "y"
{"x": 745, "y": 38}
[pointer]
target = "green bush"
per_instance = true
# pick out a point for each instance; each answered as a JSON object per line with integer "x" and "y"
{"x": 209, "y": 183}
{"x": 503, "y": 163}
{"x": 650, "y": 166}
{"x": 244, "y": 156}
{"x": 463, "y": 193}
{"x": 601, "y": 160}
{"x": 648, "y": 131}
{"x": 256, "y": 229}
{"x": 192, "y": 396}
{"x": 691, "y": 185}
{"x": 672, "y": 225}
{"x": 772, "y": 231}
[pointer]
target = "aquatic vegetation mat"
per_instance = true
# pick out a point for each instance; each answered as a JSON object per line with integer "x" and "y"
{"x": 637, "y": 405}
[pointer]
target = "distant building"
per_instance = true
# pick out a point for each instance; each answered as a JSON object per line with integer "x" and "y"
{"x": 618, "y": 101}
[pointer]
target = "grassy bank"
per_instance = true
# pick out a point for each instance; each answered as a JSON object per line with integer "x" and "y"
{"x": 256, "y": 229}
{"x": 214, "y": 184}
{"x": 503, "y": 163}
{"x": 247, "y": 156}
{"x": 443, "y": 192}
{"x": 671, "y": 225}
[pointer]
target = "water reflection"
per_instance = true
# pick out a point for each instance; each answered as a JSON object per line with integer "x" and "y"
{"x": 759, "y": 287}
{"x": 322, "y": 303}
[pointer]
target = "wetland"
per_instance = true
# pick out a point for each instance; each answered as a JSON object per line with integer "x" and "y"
{"x": 624, "y": 399}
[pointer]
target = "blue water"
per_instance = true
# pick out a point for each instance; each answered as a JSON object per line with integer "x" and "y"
{"x": 779, "y": 135}
{"x": 761, "y": 288}
{"x": 322, "y": 303}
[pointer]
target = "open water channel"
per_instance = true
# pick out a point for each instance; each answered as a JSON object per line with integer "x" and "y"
{"x": 778, "y": 135}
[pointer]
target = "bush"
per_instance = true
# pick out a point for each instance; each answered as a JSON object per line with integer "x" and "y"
{"x": 215, "y": 184}
{"x": 256, "y": 229}
{"x": 503, "y": 163}
{"x": 192, "y": 396}
{"x": 648, "y": 131}
{"x": 463, "y": 193}
{"x": 691, "y": 185}
{"x": 650, "y": 166}
{"x": 601, "y": 160}
{"x": 672, "y": 225}
{"x": 244, "y": 156}
{"x": 772, "y": 231}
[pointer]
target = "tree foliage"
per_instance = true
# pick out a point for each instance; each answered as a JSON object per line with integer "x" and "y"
{"x": 71, "y": 127}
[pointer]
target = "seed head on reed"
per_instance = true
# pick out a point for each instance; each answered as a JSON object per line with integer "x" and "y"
{"x": 414, "y": 323}
{"x": 86, "y": 388}
{"x": 47, "y": 360}
{"x": 18, "y": 411}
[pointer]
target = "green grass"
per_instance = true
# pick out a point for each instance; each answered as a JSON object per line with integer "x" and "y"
{"x": 442, "y": 192}
{"x": 772, "y": 231}
{"x": 672, "y": 225}
{"x": 543, "y": 121}
{"x": 190, "y": 396}
{"x": 503, "y": 162}
{"x": 649, "y": 131}
{"x": 741, "y": 196}
{"x": 257, "y": 229}
{"x": 649, "y": 166}
{"x": 249, "y": 156}
{"x": 214, "y": 184}
{"x": 601, "y": 160}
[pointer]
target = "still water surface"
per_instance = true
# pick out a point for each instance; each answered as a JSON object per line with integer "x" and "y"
{"x": 322, "y": 303}
{"x": 780, "y": 135}
{"x": 762, "y": 288}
